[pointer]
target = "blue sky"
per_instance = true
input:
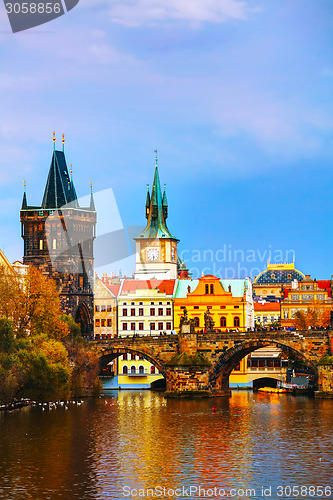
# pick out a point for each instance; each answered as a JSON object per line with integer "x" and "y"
{"x": 235, "y": 95}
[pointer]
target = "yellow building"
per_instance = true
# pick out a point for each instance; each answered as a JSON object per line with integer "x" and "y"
{"x": 309, "y": 294}
{"x": 135, "y": 372}
{"x": 229, "y": 303}
{"x": 105, "y": 309}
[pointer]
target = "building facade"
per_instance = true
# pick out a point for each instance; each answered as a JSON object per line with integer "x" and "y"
{"x": 58, "y": 239}
{"x": 229, "y": 302}
{"x": 105, "y": 305}
{"x": 145, "y": 307}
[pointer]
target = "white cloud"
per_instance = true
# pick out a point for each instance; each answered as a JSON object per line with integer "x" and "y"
{"x": 150, "y": 12}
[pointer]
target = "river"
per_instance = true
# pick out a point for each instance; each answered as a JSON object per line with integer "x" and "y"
{"x": 127, "y": 442}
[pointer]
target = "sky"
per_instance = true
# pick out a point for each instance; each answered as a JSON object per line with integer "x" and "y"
{"x": 236, "y": 96}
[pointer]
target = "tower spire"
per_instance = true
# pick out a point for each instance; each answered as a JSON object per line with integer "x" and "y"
{"x": 147, "y": 202}
{"x": 92, "y": 202}
{"x": 54, "y": 141}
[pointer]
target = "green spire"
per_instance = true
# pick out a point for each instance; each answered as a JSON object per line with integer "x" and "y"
{"x": 156, "y": 211}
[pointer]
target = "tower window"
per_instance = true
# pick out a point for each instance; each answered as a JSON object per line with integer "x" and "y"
{"x": 206, "y": 289}
{"x": 54, "y": 244}
{"x": 81, "y": 281}
{"x": 212, "y": 289}
{"x": 40, "y": 244}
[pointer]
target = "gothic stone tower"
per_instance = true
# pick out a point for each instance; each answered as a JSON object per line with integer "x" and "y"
{"x": 58, "y": 239}
{"x": 156, "y": 247}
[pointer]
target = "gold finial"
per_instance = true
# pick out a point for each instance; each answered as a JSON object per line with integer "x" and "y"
{"x": 156, "y": 159}
{"x": 54, "y": 140}
{"x": 24, "y": 185}
{"x": 90, "y": 186}
{"x": 63, "y": 141}
{"x": 71, "y": 170}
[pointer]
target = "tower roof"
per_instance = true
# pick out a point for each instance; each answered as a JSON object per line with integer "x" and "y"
{"x": 156, "y": 224}
{"x": 59, "y": 188}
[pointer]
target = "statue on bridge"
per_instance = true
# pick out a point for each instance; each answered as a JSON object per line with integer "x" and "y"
{"x": 209, "y": 322}
{"x": 184, "y": 321}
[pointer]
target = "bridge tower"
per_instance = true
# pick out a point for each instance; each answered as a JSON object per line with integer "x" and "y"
{"x": 156, "y": 247}
{"x": 58, "y": 239}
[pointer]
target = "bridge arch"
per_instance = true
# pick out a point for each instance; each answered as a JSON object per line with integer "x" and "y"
{"x": 220, "y": 371}
{"x": 109, "y": 354}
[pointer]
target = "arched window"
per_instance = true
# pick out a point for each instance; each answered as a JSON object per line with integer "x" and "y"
{"x": 206, "y": 289}
{"x": 152, "y": 370}
{"x": 236, "y": 321}
{"x": 141, "y": 369}
{"x": 125, "y": 370}
{"x": 223, "y": 321}
{"x": 196, "y": 322}
{"x": 212, "y": 289}
{"x": 133, "y": 369}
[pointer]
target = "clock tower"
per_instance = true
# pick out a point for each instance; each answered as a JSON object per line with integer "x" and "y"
{"x": 156, "y": 247}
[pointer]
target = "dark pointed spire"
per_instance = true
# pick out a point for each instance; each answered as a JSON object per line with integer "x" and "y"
{"x": 165, "y": 204}
{"x": 92, "y": 202}
{"x": 24, "y": 201}
{"x": 147, "y": 202}
{"x": 59, "y": 190}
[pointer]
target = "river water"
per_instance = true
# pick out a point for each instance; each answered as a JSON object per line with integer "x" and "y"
{"x": 136, "y": 444}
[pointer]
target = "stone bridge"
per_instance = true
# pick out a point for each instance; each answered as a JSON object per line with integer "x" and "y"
{"x": 195, "y": 363}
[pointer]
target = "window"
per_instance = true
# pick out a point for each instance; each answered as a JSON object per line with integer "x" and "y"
{"x": 168, "y": 303}
{"x": 160, "y": 325}
{"x": 124, "y": 326}
{"x": 132, "y": 312}
{"x": 109, "y": 322}
{"x": 124, "y": 303}
{"x": 152, "y": 326}
{"x": 168, "y": 325}
{"x": 140, "y": 326}
{"x": 133, "y": 370}
{"x": 125, "y": 370}
{"x": 132, "y": 326}
{"x": 152, "y": 303}
{"x": 222, "y": 307}
{"x": 54, "y": 244}
{"x": 132, "y": 303}
{"x": 124, "y": 312}
{"x": 152, "y": 370}
{"x": 289, "y": 276}
{"x": 141, "y": 311}
{"x": 168, "y": 311}
{"x": 97, "y": 308}
{"x": 103, "y": 308}
{"x": 40, "y": 244}
{"x": 81, "y": 281}
{"x": 206, "y": 289}
{"x": 97, "y": 322}
{"x": 160, "y": 303}
{"x": 196, "y": 307}
{"x": 132, "y": 357}
{"x": 223, "y": 321}
{"x": 196, "y": 322}
{"x": 103, "y": 323}
{"x": 140, "y": 303}
{"x": 236, "y": 307}
{"x": 236, "y": 321}
{"x": 160, "y": 311}
{"x": 140, "y": 356}
{"x": 212, "y": 289}
{"x": 152, "y": 311}
{"x": 237, "y": 367}
{"x": 272, "y": 276}
{"x": 141, "y": 369}
{"x": 125, "y": 357}
{"x": 109, "y": 309}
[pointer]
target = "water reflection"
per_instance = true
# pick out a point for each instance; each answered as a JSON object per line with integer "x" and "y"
{"x": 141, "y": 440}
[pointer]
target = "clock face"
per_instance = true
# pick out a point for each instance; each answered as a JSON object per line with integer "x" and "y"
{"x": 153, "y": 254}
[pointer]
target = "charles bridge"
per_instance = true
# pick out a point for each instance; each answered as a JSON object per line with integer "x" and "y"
{"x": 200, "y": 363}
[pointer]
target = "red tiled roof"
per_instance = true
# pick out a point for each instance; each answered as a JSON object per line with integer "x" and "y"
{"x": 113, "y": 288}
{"x": 164, "y": 286}
{"x": 322, "y": 284}
{"x": 268, "y": 306}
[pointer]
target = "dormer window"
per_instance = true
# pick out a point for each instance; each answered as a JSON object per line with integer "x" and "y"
{"x": 272, "y": 276}
{"x": 289, "y": 276}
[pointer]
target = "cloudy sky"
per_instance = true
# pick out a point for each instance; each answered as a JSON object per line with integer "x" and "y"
{"x": 237, "y": 96}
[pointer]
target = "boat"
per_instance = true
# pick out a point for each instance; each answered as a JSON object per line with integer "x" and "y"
{"x": 273, "y": 390}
